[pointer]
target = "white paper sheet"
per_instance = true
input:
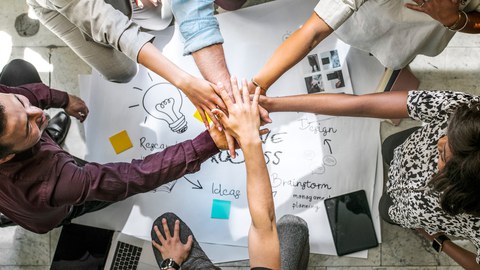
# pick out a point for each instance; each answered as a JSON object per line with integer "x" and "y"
{"x": 309, "y": 157}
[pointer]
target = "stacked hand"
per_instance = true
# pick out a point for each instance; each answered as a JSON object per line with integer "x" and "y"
{"x": 202, "y": 94}
{"x": 243, "y": 119}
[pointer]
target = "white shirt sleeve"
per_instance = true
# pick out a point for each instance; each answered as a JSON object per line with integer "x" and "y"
{"x": 336, "y": 12}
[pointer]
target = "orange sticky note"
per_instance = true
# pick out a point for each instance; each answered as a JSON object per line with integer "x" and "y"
{"x": 199, "y": 118}
{"x": 121, "y": 142}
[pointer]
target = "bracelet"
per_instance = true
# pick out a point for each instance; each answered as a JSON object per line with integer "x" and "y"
{"x": 258, "y": 85}
{"x": 466, "y": 22}
{"x": 456, "y": 24}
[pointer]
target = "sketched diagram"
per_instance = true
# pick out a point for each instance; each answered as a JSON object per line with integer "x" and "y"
{"x": 163, "y": 101}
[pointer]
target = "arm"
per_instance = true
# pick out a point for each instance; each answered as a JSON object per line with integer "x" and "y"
{"x": 263, "y": 243}
{"x": 44, "y": 97}
{"x": 200, "y": 92}
{"x": 119, "y": 180}
{"x": 101, "y": 22}
{"x": 203, "y": 39}
{"x": 211, "y": 63}
{"x": 39, "y": 95}
{"x": 292, "y": 50}
{"x": 376, "y": 105}
{"x": 463, "y": 257}
{"x": 243, "y": 123}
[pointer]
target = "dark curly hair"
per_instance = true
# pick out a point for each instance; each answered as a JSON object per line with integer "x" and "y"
{"x": 459, "y": 181}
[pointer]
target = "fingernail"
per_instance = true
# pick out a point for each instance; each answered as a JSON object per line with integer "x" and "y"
{"x": 155, "y": 3}
{"x": 220, "y": 129}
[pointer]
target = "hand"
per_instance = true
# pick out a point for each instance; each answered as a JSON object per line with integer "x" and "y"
{"x": 221, "y": 139}
{"x": 203, "y": 96}
{"x": 265, "y": 118}
{"x": 444, "y": 11}
{"x": 243, "y": 119}
{"x": 77, "y": 108}
{"x": 171, "y": 246}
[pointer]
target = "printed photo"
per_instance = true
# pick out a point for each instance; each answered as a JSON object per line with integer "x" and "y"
{"x": 335, "y": 59}
{"x": 330, "y": 60}
{"x": 336, "y": 79}
{"x": 313, "y": 64}
{"x": 314, "y": 84}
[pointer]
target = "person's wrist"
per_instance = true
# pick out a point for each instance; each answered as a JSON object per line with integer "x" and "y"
{"x": 184, "y": 82}
{"x": 252, "y": 140}
{"x": 263, "y": 88}
{"x": 460, "y": 23}
{"x": 452, "y": 20}
{"x": 178, "y": 260}
{"x": 265, "y": 102}
{"x": 69, "y": 99}
{"x": 439, "y": 242}
{"x": 169, "y": 263}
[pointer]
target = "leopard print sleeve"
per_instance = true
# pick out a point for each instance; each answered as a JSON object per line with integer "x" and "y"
{"x": 435, "y": 106}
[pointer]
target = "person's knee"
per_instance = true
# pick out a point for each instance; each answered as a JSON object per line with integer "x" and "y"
{"x": 169, "y": 216}
{"x": 383, "y": 207}
{"x": 123, "y": 76}
{"x": 292, "y": 222}
{"x": 20, "y": 65}
{"x": 230, "y": 4}
{"x": 19, "y": 62}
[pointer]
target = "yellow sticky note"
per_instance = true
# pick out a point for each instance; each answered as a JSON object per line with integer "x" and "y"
{"x": 121, "y": 142}
{"x": 199, "y": 118}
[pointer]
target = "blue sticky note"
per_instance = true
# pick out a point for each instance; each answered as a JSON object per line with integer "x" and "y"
{"x": 221, "y": 209}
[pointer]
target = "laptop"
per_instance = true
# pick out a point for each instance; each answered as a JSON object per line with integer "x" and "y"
{"x": 130, "y": 253}
{"x": 84, "y": 247}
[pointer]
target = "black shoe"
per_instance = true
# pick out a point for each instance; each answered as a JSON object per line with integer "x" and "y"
{"x": 58, "y": 127}
{"x": 5, "y": 221}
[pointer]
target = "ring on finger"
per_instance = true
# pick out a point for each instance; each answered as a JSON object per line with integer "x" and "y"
{"x": 421, "y": 5}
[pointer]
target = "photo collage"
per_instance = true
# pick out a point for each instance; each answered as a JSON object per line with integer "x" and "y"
{"x": 323, "y": 72}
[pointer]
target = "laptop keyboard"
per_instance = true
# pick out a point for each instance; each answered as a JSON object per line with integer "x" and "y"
{"x": 126, "y": 257}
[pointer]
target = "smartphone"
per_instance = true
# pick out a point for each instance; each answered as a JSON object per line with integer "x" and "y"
{"x": 351, "y": 222}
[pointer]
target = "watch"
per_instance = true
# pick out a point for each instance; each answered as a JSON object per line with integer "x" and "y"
{"x": 169, "y": 263}
{"x": 437, "y": 242}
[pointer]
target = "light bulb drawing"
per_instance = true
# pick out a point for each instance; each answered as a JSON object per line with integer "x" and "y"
{"x": 163, "y": 101}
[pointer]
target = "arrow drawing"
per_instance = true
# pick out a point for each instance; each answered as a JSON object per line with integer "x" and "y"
{"x": 327, "y": 142}
{"x": 195, "y": 186}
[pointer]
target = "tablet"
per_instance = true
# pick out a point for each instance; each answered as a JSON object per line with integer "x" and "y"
{"x": 351, "y": 222}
